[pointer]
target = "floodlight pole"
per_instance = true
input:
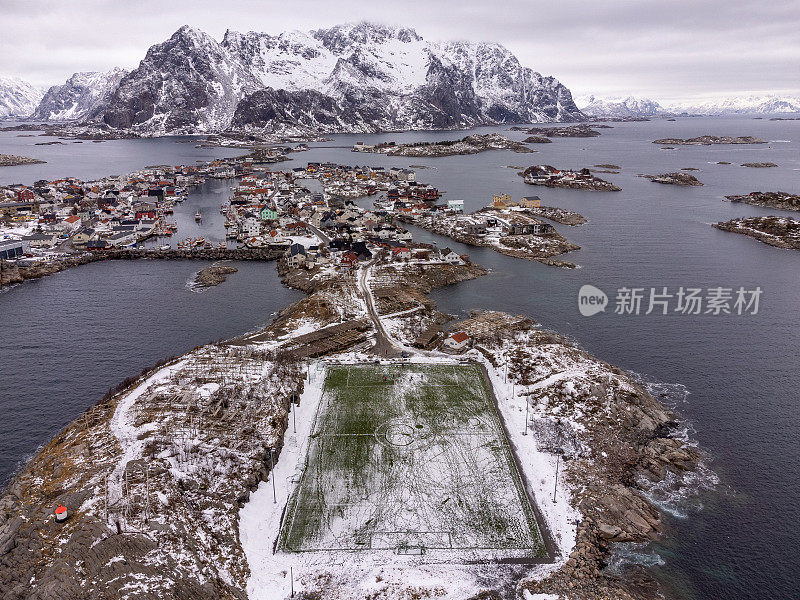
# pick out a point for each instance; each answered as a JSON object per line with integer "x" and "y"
{"x": 272, "y": 474}
{"x": 525, "y": 431}
{"x": 555, "y": 485}
{"x": 291, "y": 575}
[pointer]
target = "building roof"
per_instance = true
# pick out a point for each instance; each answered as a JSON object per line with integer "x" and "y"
{"x": 459, "y": 337}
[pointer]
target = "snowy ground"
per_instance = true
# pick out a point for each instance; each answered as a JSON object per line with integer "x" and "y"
{"x": 353, "y": 574}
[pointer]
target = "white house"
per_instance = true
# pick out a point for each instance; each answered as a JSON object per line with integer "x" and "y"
{"x": 251, "y": 226}
{"x": 455, "y": 206}
{"x": 451, "y": 257}
{"x": 72, "y": 223}
{"x": 456, "y": 341}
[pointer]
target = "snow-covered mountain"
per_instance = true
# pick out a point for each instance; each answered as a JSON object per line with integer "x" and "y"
{"x": 18, "y": 98}
{"x": 84, "y": 95}
{"x": 737, "y": 105}
{"x": 619, "y": 107}
{"x": 354, "y": 77}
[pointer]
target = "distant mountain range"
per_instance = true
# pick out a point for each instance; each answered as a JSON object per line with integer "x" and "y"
{"x": 349, "y": 78}
{"x": 631, "y": 106}
{"x": 17, "y": 97}
{"x": 620, "y": 107}
{"x": 83, "y": 96}
{"x": 355, "y": 77}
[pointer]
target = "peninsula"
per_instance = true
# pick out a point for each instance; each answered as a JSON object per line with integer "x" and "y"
{"x": 186, "y": 481}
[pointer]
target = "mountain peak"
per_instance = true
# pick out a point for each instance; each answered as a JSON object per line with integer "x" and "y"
{"x": 365, "y": 76}
{"x": 191, "y": 35}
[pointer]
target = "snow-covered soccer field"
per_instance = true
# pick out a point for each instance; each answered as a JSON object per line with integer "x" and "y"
{"x": 409, "y": 458}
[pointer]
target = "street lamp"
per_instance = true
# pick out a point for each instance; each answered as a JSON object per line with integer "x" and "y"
{"x": 558, "y": 458}
{"x": 272, "y": 474}
{"x": 527, "y": 401}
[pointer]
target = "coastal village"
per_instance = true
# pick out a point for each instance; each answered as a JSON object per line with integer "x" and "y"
{"x": 273, "y": 212}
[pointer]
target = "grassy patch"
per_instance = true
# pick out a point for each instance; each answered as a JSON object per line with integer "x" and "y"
{"x": 409, "y": 456}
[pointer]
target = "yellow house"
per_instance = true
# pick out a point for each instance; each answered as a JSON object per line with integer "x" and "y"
{"x": 530, "y": 202}
{"x": 502, "y": 201}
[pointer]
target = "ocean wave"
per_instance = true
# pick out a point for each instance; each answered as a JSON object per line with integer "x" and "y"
{"x": 192, "y": 286}
{"x": 678, "y": 494}
{"x": 630, "y": 553}
{"x": 671, "y": 395}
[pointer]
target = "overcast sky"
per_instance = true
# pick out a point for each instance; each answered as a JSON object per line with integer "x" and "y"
{"x": 665, "y": 49}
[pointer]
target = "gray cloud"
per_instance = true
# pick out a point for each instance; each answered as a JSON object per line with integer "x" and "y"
{"x": 667, "y": 49}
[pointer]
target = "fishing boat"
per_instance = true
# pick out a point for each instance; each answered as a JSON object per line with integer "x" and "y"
{"x": 164, "y": 247}
{"x": 198, "y": 216}
{"x": 199, "y": 241}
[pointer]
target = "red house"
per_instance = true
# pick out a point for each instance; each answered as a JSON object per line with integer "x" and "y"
{"x": 349, "y": 259}
{"x": 24, "y": 195}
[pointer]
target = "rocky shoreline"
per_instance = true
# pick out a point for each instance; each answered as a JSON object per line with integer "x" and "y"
{"x": 558, "y": 215}
{"x": 11, "y": 160}
{"x": 779, "y": 200}
{"x": 155, "y": 474}
{"x": 12, "y": 272}
{"x": 781, "y": 232}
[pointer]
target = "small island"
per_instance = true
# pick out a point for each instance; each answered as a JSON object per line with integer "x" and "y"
{"x": 779, "y": 200}
{"x": 213, "y": 275}
{"x": 708, "y": 140}
{"x": 759, "y": 165}
{"x": 781, "y": 232}
{"x": 11, "y": 160}
{"x": 674, "y": 179}
{"x": 580, "y": 130}
{"x": 549, "y": 176}
{"x": 472, "y": 144}
{"x": 538, "y": 139}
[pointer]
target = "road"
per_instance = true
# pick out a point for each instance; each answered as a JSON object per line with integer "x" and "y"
{"x": 324, "y": 238}
{"x": 384, "y": 344}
